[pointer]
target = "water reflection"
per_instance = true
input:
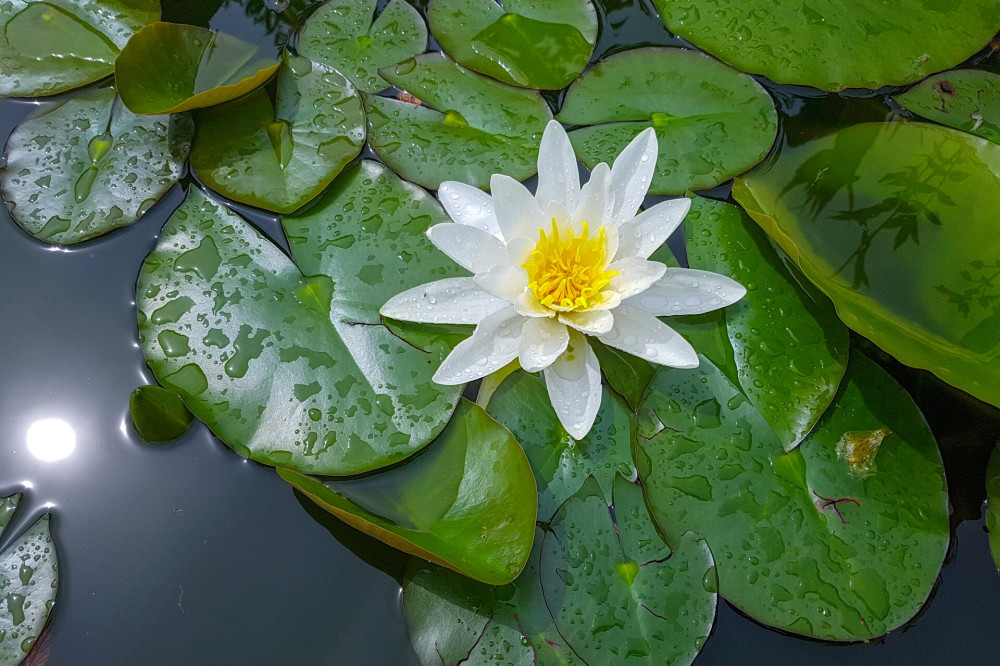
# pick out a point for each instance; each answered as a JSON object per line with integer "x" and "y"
{"x": 50, "y": 440}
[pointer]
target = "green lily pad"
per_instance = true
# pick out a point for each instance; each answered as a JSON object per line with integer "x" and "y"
{"x": 790, "y": 349}
{"x": 628, "y": 375}
{"x": 529, "y": 43}
{"x": 835, "y": 44}
{"x": 90, "y": 165}
{"x": 51, "y": 47}
{"x": 966, "y": 99}
{"x": 878, "y": 217}
{"x": 341, "y": 34}
{"x": 470, "y": 128}
{"x": 279, "y": 155}
{"x": 711, "y": 121}
{"x": 194, "y": 68}
{"x": 265, "y": 355}
{"x": 467, "y": 502}
{"x": 840, "y": 539}
{"x": 158, "y": 415}
{"x": 29, "y": 578}
{"x": 993, "y": 504}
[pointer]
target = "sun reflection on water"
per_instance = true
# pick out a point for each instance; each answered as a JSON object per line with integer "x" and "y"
{"x": 50, "y": 440}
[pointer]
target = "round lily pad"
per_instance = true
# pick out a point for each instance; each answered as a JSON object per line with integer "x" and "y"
{"x": 90, "y": 165}
{"x": 711, "y": 121}
{"x": 158, "y": 415}
{"x": 840, "y": 539}
{"x": 835, "y": 44}
{"x": 280, "y": 154}
{"x": 966, "y": 99}
{"x": 878, "y": 217}
{"x": 464, "y": 126}
{"x": 530, "y": 43}
{"x": 170, "y": 67}
{"x": 341, "y": 34}
{"x": 51, "y": 47}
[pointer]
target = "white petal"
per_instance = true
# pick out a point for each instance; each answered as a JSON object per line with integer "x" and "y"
{"x": 527, "y": 304}
{"x": 574, "y": 385}
{"x": 517, "y": 211}
{"x": 469, "y": 205}
{"x": 632, "y": 173}
{"x": 635, "y": 275}
{"x": 519, "y": 249}
{"x": 641, "y": 334}
{"x": 492, "y": 345}
{"x": 558, "y": 173}
{"x": 641, "y": 235}
{"x": 591, "y": 322}
{"x": 448, "y": 301}
{"x": 596, "y": 199}
{"x": 684, "y": 291}
{"x": 542, "y": 340}
{"x": 470, "y": 247}
{"x": 507, "y": 282}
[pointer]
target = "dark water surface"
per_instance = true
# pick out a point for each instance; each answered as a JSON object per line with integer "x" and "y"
{"x": 187, "y": 554}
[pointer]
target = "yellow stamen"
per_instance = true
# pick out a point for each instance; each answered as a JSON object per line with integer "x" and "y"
{"x": 569, "y": 274}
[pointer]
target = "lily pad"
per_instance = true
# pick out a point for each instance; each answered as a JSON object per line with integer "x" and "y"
{"x": 29, "y": 578}
{"x": 840, "y": 539}
{"x": 90, "y": 165}
{"x": 158, "y": 415}
{"x": 470, "y": 128}
{"x": 529, "y": 43}
{"x": 467, "y": 502}
{"x": 194, "y": 68}
{"x": 628, "y": 375}
{"x": 265, "y": 355}
{"x": 51, "y": 47}
{"x": 279, "y": 155}
{"x": 835, "y": 44}
{"x": 878, "y": 217}
{"x": 711, "y": 121}
{"x": 993, "y": 504}
{"x": 341, "y": 34}
{"x": 790, "y": 349}
{"x": 966, "y": 99}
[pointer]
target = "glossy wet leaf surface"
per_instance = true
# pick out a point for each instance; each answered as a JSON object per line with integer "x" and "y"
{"x": 711, "y": 121}
{"x": 51, "y": 47}
{"x": 194, "y": 67}
{"x": 467, "y": 128}
{"x": 280, "y": 154}
{"x": 966, "y": 99}
{"x": 158, "y": 415}
{"x": 467, "y": 502}
{"x": 343, "y": 35}
{"x": 264, "y": 354}
{"x": 531, "y": 43}
{"x": 878, "y": 216}
{"x": 626, "y": 374}
{"x": 840, "y": 539}
{"x": 835, "y": 44}
{"x": 790, "y": 349}
{"x": 90, "y": 165}
{"x": 29, "y": 579}
{"x": 993, "y": 504}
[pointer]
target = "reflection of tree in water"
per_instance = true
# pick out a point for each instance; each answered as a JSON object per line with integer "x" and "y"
{"x": 982, "y": 288}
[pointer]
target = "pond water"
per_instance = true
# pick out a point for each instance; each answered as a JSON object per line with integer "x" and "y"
{"x": 187, "y": 553}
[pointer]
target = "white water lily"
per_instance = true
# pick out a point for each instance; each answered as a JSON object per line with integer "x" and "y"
{"x": 551, "y": 268}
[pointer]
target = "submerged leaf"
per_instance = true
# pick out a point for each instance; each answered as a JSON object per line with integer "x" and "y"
{"x": 993, "y": 504}
{"x": 158, "y": 415}
{"x": 966, "y": 99}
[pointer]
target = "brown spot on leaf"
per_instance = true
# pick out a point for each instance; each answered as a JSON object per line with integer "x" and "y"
{"x": 859, "y": 449}
{"x": 409, "y": 99}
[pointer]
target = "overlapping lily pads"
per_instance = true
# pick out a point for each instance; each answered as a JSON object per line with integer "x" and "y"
{"x": 158, "y": 415}
{"x": 279, "y": 155}
{"x": 54, "y": 46}
{"x": 467, "y": 502}
{"x": 711, "y": 121}
{"x": 835, "y": 44}
{"x": 90, "y": 165}
{"x": 29, "y": 578}
{"x": 465, "y": 127}
{"x": 341, "y": 34}
{"x": 194, "y": 68}
{"x": 530, "y": 43}
{"x": 272, "y": 356}
{"x": 790, "y": 349}
{"x": 840, "y": 539}
{"x": 966, "y": 99}
{"x": 878, "y": 216}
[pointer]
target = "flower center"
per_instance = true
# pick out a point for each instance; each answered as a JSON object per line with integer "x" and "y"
{"x": 568, "y": 274}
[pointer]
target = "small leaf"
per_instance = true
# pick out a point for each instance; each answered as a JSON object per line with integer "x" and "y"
{"x": 966, "y": 99}
{"x": 158, "y": 415}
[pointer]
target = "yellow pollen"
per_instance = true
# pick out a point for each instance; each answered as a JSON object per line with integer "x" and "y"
{"x": 569, "y": 274}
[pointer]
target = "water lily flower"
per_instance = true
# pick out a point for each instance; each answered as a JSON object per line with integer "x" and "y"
{"x": 551, "y": 268}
